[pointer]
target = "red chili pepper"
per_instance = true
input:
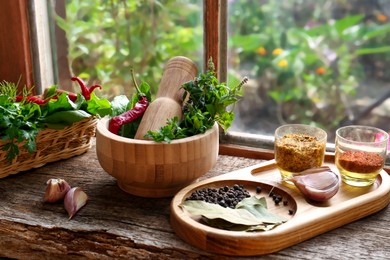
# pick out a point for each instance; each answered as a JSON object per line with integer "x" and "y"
{"x": 39, "y": 101}
{"x": 84, "y": 90}
{"x": 137, "y": 111}
{"x": 92, "y": 88}
{"x": 72, "y": 96}
{"x": 32, "y": 99}
{"x": 19, "y": 98}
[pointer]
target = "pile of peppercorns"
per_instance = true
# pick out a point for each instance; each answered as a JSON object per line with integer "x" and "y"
{"x": 225, "y": 196}
{"x": 230, "y": 196}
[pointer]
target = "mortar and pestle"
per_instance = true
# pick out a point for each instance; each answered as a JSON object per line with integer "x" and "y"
{"x": 150, "y": 169}
{"x": 168, "y": 102}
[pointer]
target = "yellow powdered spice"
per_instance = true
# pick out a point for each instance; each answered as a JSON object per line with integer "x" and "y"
{"x": 298, "y": 152}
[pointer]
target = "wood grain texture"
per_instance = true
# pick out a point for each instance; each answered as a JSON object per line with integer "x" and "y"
{"x": 177, "y": 71}
{"x": 115, "y": 224}
{"x": 211, "y": 27}
{"x": 15, "y": 48}
{"x": 309, "y": 218}
{"x": 149, "y": 169}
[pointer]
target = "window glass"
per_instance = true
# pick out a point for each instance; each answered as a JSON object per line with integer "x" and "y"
{"x": 313, "y": 62}
{"x": 108, "y": 38}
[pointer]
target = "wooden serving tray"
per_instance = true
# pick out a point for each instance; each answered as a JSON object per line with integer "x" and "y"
{"x": 308, "y": 219}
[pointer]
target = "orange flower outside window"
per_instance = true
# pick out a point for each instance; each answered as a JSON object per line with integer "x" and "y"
{"x": 262, "y": 51}
{"x": 320, "y": 70}
{"x": 277, "y": 51}
{"x": 381, "y": 18}
{"x": 283, "y": 63}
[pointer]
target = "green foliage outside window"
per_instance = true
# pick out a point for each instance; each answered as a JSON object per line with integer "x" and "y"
{"x": 305, "y": 58}
{"x": 108, "y": 37}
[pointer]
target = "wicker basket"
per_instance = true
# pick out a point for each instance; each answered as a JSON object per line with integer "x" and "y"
{"x": 52, "y": 145}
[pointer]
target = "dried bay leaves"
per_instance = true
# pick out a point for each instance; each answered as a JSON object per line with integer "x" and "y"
{"x": 214, "y": 211}
{"x": 251, "y": 214}
{"x": 258, "y": 207}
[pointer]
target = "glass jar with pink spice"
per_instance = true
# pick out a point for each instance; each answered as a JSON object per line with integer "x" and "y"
{"x": 360, "y": 153}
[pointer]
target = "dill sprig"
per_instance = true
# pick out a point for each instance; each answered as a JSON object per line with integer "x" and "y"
{"x": 8, "y": 89}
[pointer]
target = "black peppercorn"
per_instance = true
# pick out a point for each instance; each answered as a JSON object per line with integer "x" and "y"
{"x": 224, "y": 196}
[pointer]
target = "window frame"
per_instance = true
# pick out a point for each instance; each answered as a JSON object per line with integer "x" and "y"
{"x": 43, "y": 64}
{"x": 16, "y": 45}
{"x": 215, "y": 45}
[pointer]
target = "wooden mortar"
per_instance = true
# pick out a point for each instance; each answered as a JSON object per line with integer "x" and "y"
{"x": 169, "y": 99}
{"x": 150, "y": 169}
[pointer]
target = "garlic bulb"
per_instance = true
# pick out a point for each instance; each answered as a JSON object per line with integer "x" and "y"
{"x": 74, "y": 200}
{"x": 55, "y": 190}
{"x": 317, "y": 184}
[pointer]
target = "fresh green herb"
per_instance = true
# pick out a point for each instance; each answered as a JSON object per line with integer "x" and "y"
{"x": 21, "y": 121}
{"x": 119, "y": 105}
{"x": 207, "y": 103}
{"x": 169, "y": 132}
{"x": 94, "y": 106}
{"x": 8, "y": 89}
{"x": 18, "y": 123}
{"x": 97, "y": 106}
{"x": 60, "y": 119}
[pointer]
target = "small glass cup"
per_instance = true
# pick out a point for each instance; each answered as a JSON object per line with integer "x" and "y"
{"x": 360, "y": 153}
{"x": 299, "y": 147}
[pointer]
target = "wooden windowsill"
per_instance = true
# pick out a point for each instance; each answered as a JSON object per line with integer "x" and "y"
{"x": 115, "y": 224}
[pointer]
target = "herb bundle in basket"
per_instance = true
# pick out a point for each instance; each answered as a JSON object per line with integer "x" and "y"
{"x": 35, "y": 130}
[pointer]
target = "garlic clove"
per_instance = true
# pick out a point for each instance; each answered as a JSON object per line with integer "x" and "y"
{"x": 74, "y": 200}
{"x": 55, "y": 190}
{"x": 317, "y": 184}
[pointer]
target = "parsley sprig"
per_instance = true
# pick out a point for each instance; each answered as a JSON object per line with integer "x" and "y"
{"x": 18, "y": 122}
{"x": 208, "y": 102}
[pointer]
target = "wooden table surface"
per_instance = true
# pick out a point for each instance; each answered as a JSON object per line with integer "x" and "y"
{"x": 115, "y": 224}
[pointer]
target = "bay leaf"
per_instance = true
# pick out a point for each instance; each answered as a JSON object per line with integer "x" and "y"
{"x": 213, "y": 211}
{"x": 258, "y": 207}
{"x": 251, "y": 214}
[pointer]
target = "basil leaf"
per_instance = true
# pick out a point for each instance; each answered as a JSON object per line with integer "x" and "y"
{"x": 119, "y": 105}
{"x": 60, "y": 119}
{"x": 97, "y": 106}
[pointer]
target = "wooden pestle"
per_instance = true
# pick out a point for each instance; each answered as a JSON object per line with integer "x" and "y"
{"x": 169, "y": 99}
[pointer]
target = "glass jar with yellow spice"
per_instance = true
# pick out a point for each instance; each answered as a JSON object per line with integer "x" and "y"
{"x": 299, "y": 147}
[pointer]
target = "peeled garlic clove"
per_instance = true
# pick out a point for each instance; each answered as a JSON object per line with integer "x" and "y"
{"x": 317, "y": 184}
{"x": 55, "y": 190}
{"x": 74, "y": 200}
